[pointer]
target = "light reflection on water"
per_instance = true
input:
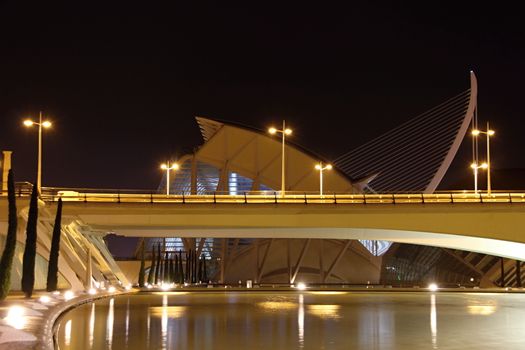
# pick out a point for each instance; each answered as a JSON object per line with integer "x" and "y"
{"x": 164, "y": 322}
{"x": 109, "y": 323}
{"x": 433, "y": 320}
{"x": 300, "y": 321}
{"x": 481, "y": 309}
{"x": 289, "y": 320}
{"x": 127, "y": 322}
{"x": 92, "y": 325}
{"x": 67, "y": 332}
{"x": 148, "y": 327}
{"x": 166, "y": 312}
{"x": 325, "y": 311}
{"x": 273, "y": 305}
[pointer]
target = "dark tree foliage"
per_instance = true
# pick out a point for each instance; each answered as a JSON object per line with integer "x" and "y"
{"x": 204, "y": 276}
{"x": 172, "y": 271}
{"x": 159, "y": 265}
{"x": 188, "y": 267}
{"x": 194, "y": 274}
{"x": 10, "y": 242}
{"x": 199, "y": 270}
{"x": 165, "y": 276}
{"x": 28, "y": 267}
{"x": 181, "y": 271}
{"x": 142, "y": 263}
{"x": 176, "y": 269}
{"x": 151, "y": 275}
{"x": 52, "y": 269}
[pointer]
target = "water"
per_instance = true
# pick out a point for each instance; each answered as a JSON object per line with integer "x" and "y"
{"x": 290, "y": 320}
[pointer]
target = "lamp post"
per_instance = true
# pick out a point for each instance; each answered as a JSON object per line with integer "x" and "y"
{"x": 284, "y": 132}
{"x": 166, "y": 166}
{"x": 45, "y": 124}
{"x": 489, "y": 133}
{"x": 475, "y": 166}
{"x": 321, "y": 168}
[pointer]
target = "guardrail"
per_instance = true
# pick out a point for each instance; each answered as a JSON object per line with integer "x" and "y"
{"x": 87, "y": 195}
{"x": 51, "y": 194}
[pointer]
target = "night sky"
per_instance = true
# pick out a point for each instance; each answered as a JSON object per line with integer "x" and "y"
{"x": 122, "y": 83}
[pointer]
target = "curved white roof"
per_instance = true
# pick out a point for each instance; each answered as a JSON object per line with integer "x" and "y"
{"x": 257, "y": 155}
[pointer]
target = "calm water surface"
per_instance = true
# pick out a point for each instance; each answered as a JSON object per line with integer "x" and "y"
{"x": 289, "y": 320}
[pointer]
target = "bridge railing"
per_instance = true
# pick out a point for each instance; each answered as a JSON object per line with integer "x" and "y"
{"x": 52, "y": 194}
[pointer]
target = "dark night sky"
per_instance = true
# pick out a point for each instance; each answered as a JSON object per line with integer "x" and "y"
{"x": 122, "y": 83}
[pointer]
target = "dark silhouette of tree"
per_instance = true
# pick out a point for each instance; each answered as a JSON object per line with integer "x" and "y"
{"x": 176, "y": 278}
{"x": 199, "y": 270}
{"x": 194, "y": 274}
{"x": 187, "y": 272}
{"x": 204, "y": 275}
{"x": 142, "y": 263}
{"x": 28, "y": 267}
{"x": 151, "y": 275}
{"x": 159, "y": 265}
{"x": 10, "y": 241}
{"x": 172, "y": 271}
{"x": 52, "y": 269}
{"x": 181, "y": 271}
{"x": 166, "y": 276}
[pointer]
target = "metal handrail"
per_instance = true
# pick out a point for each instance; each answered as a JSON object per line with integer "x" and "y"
{"x": 84, "y": 195}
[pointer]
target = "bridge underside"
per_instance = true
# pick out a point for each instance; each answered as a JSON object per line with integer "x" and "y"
{"x": 341, "y": 261}
{"x": 511, "y": 250}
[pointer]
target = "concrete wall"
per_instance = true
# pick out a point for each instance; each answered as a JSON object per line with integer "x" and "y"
{"x": 130, "y": 269}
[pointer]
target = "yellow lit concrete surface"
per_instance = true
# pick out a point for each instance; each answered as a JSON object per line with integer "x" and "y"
{"x": 491, "y": 228}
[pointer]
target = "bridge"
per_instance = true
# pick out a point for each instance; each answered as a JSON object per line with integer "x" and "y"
{"x": 477, "y": 222}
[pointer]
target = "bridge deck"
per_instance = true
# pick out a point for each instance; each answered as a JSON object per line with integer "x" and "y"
{"x": 491, "y": 224}
{"x": 130, "y": 196}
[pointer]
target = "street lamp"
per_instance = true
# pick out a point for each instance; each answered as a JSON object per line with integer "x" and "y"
{"x": 489, "y": 133}
{"x": 475, "y": 166}
{"x": 284, "y": 132}
{"x": 46, "y": 124}
{"x": 166, "y": 166}
{"x": 321, "y": 168}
